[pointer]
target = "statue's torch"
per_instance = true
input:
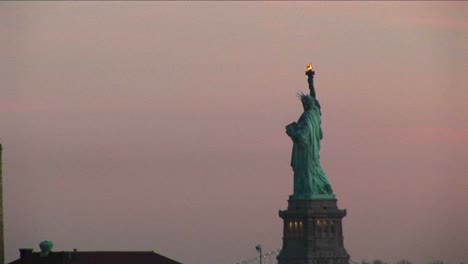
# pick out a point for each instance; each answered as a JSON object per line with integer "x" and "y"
{"x": 310, "y": 71}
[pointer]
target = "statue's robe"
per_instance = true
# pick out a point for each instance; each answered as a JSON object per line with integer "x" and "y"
{"x": 309, "y": 177}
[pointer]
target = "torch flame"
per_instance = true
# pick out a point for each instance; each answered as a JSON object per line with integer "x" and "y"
{"x": 310, "y": 67}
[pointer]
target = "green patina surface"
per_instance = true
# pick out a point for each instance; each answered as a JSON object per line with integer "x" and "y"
{"x": 46, "y": 247}
{"x": 310, "y": 181}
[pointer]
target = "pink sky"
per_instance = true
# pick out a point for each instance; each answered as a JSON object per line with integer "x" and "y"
{"x": 160, "y": 126}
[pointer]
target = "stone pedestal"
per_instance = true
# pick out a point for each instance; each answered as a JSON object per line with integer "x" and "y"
{"x": 313, "y": 233}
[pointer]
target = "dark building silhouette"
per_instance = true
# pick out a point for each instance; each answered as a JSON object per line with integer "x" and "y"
{"x": 27, "y": 256}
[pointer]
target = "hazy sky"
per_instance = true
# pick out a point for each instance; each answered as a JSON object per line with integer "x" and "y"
{"x": 160, "y": 126}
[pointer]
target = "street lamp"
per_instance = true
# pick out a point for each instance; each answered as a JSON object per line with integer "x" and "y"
{"x": 259, "y": 250}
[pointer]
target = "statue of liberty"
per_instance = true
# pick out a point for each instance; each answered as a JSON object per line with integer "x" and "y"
{"x": 310, "y": 181}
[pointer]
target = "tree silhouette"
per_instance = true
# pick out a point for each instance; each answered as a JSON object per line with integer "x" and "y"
{"x": 378, "y": 261}
{"x": 404, "y": 261}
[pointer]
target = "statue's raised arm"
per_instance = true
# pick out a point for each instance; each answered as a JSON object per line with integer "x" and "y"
{"x": 310, "y": 79}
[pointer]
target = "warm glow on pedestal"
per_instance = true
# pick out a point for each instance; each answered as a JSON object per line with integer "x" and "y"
{"x": 310, "y": 67}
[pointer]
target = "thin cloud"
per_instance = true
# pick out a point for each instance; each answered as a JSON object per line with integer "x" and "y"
{"x": 437, "y": 22}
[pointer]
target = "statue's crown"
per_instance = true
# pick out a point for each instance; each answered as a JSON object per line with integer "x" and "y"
{"x": 305, "y": 98}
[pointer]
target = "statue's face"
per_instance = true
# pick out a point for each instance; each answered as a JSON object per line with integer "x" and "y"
{"x": 306, "y": 105}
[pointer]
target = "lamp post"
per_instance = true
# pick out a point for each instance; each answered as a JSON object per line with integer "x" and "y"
{"x": 259, "y": 249}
